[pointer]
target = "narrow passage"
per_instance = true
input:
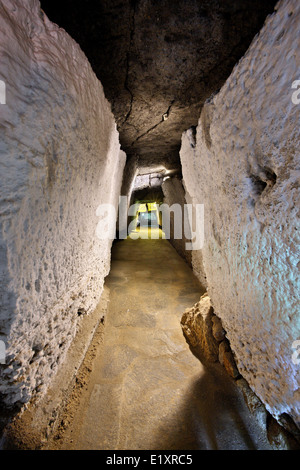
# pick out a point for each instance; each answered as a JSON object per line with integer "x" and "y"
{"x": 146, "y": 389}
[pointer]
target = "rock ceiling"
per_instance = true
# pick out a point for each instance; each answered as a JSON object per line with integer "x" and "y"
{"x": 159, "y": 60}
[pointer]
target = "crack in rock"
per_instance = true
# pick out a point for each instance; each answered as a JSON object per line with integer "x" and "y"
{"x": 126, "y": 86}
{"x": 163, "y": 119}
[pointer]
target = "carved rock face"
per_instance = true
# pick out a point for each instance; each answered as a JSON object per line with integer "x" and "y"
{"x": 159, "y": 61}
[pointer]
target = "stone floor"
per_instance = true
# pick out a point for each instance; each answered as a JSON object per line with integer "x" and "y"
{"x": 146, "y": 390}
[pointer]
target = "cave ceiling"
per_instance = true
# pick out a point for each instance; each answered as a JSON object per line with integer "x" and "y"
{"x": 158, "y": 61}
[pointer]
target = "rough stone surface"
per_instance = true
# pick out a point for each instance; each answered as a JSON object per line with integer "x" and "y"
{"x": 243, "y": 166}
{"x": 196, "y": 325}
{"x": 217, "y": 329}
{"x": 283, "y": 434}
{"x": 230, "y": 364}
{"x": 279, "y": 438}
{"x": 159, "y": 60}
{"x": 196, "y": 255}
{"x": 254, "y": 404}
{"x": 31, "y": 428}
{"x": 224, "y": 346}
{"x": 174, "y": 194}
{"x": 288, "y": 423}
{"x": 60, "y": 158}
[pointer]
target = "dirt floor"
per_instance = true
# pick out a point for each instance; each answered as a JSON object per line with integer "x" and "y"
{"x": 140, "y": 387}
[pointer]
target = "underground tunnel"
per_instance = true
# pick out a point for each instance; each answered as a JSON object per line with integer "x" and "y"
{"x": 149, "y": 242}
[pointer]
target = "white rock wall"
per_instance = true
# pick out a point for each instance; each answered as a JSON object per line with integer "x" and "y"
{"x": 174, "y": 194}
{"x": 245, "y": 169}
{"x": 196, "y": 256}
{"x": 60, "y": 159}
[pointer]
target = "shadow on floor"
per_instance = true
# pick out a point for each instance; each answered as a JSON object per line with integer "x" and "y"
{"x": 213, "y": 416}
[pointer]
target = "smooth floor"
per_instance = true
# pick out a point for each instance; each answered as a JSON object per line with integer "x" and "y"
{"x": 146, "y": 390}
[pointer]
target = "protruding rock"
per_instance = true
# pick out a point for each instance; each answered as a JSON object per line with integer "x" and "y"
{"x": 223, "y": 347}
{"x": 217, "y": 329}
{"x": 254, "y": 404}
{"x": 197, "y": 325}
{"x": 230, "y": 365}
{"x": 279, "y": 438}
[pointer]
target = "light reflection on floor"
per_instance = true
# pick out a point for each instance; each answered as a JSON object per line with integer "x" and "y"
{"x": 147, "y": 233}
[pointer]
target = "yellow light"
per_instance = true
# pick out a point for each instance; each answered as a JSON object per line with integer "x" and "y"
{"x": 147, "y": 207}
{"x": 142, "y": 208}
{"x": 151, "y": 206}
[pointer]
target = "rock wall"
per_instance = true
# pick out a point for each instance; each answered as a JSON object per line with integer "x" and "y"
{"x": 207, "y": 340}
{"x": 60, "y": 159}
{"x": 174, "y": 194}
{"x": 129, "y": 175}
{"x": 196, "y": 256}
{"x": 243, "y": 164}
